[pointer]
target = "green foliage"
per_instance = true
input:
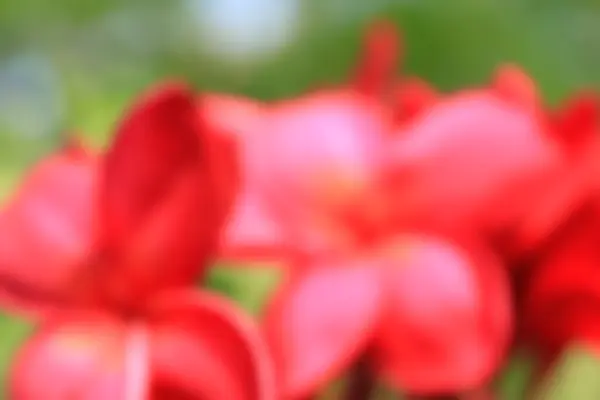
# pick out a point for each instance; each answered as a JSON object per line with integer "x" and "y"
{"x": 249, "y": 286}
{"x": 575, "y": 376}
{"x": 13, "y": 332}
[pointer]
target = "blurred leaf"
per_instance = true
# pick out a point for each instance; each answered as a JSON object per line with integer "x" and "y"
{"x": 575, "y": 376}
{"x": 513, "y": 381}
{"x": 248, "y": 285}
{"x": 13, "y": 332}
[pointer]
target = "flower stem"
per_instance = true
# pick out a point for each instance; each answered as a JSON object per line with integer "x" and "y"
{"x": 361, "y": 382}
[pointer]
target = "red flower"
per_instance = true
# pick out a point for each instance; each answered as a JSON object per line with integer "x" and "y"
{"x": 107, "y": 230}
{"x": 562, "y": 294}
{"x": 431, "y": 316}
{"x": 119, "y": 251}
{"x": 298, "y": 149}
{"x": 186, "y": 346}
{"x": 492, "y": 160}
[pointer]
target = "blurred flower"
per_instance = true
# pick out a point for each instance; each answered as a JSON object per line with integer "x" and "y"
{"x": 430, "y": 315}
{"x": 321, "y": 165}
{"x": 106, "y": 230}
{"x": 562, "y": 293}
{"x": 491, "y": 160}
{"x": 296, "y": 153}
{"x": 46, "y": 229}
{"x": 186, "y": 345}
{"x": 108, "y": 244}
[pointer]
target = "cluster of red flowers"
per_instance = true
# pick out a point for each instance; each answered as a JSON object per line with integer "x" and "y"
{"x": 423, "y": 235}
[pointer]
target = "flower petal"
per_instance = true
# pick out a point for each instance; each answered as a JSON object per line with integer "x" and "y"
{"x": 474, "y": 160}
{"x": 448, "y": 322}
{"x": 378, "y": 61}
{"x": 46, "y": 231}
{"x": 251, "y": 233}
{"x": 157, "y": 140}
{"x": 320, "y": 322}
{"x": 159, "y": 199}
{"x": 562, "y": 296}
{"x": 225, "y": 357}
{"x": 80, "y": 357}
{"x": 314, "y": 155}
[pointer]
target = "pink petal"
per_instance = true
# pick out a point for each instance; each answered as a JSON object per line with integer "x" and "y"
{"x": 223, "y": 354}
{"x": 320, "y": 323}
{"x": 448, "y": 318}
{"x": 251, "y": 233}
{"x": 46, "y": 231}
{"x": 80, "y": 357}
{"x": 236, "y": 116}
{"x": 473, "y": 159}
{"x": 313, "y": 155}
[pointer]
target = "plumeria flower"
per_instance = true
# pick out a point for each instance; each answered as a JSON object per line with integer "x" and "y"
{"x": 112, "y": 246}
{"x": 495, "y": 160}
{"x": 356, "y": 110}
{"x": 343, "y": 182}
{"x": 426, "y": 314}
{"x": 151, "y": 200}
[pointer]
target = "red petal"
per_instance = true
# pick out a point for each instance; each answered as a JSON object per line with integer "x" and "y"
{"x": 319, "y": 324}
{"x": 46, "y": 231}
{"x": 448, "y": 320}
{"x": 159, "y": 200}
{"x": 513, "y": 84}
{"x": 578, "y": 121}
{"x": 379, "y": 58}
{"x": 224, "y": 357}
{"x": 157, "y": 140}
{"x": 81, "y": 357}
{"x": 562, "y": 301}
{"x": 413, "y": 97}
{"x": 471, "y": 160}
{"x": 570, "y": 189}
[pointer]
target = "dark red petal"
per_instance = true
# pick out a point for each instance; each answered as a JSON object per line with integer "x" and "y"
{"x": 571, "y": 188}
{"x": 448, "y": 321}
{"x": 156, "y": 141}
{"x": 205, "y": 348}
{"x": 413, "y": 97}
{"x": 159, "y": 199}
{"x": 81, "y": 357}
{"x": 46, "y": 231}
{"x": 320, "y": 323}
{"x": 562, "y": 301}
{"x": 578, "y": 121}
